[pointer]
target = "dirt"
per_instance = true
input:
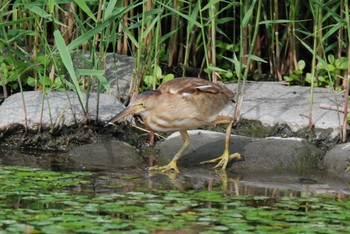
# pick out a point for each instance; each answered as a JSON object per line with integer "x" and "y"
{"x": 65, "y": 138}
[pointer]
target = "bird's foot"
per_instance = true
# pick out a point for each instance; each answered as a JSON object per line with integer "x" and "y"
{"x": 223, "y": 160}
{"x": 164, "y": 169}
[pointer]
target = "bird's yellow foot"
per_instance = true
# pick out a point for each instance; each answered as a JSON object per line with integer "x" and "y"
{"x": 171, "y": 166}
{"x": 223, "y": 160}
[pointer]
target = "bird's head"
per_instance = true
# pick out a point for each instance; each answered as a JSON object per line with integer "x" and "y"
{"x": 140, "y": 105}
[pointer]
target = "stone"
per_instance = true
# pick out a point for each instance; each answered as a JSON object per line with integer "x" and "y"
{"x": 273, "y": 103}
{"x": 259, "y": 153}
{"x": 337, "y": 160}
{"x": 118, "y": 70}
{"x": 105, "y": 156}
{"x": 55, "y": 109}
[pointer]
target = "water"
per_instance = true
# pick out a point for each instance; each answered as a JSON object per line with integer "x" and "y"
{"x": 268, "y": 183}
{"x": 58, "y": 199}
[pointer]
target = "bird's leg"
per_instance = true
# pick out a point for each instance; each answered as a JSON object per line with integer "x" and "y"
{"x": 226, "y": 156}
{"x": 151, "y": 138}
{"x": 172, "y": 163}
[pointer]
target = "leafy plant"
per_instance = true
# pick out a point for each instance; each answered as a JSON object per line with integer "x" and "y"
{"x": 157, "y": 78}
{"x": 39, "y": 201}
{"x": 328, "y": 73}
{"x": 297, "y": 76}
{"x": 10, "y": 68}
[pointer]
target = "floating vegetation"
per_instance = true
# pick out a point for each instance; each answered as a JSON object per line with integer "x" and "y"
{"x": 37, "y": 201}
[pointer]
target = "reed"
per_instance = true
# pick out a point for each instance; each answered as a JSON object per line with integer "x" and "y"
{"x": 39, "y": 40}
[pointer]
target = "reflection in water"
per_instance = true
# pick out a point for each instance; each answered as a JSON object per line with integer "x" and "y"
{"x": 272, "y": 184}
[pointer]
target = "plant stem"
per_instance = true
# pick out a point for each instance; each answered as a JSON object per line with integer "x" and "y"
{"x": 347, "y": 75}
{"x": 203, "y": 36}
{"x": 315, "y": 10}
{"x": 213, "y": 10}
{"x": 238, "y": 107}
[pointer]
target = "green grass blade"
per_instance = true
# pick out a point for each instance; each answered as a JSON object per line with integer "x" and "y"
{"x": 97, "y": 73}
{"x": 82, "y": 4}
{"x": 14, "y": 22}
{"x": 68, "y": 63}
{"x": 248, "y": 14}
{"x": 109, "y": 9}
{"x": 189, "y": 19}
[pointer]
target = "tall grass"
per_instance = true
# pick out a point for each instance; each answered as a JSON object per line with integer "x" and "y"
{"x": 228, "y": 40}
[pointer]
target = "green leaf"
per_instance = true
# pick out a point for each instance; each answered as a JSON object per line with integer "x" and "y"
{"x": 68, "y": 63}
{"x": 158, "y": 72}
{"x": 148, "y": 80}
{"x": 4, "y": 69}
{"x": 109, "y": 9}
{"x": 89, "y": 72}
{"x": 210, "y": 4}
{"x": 168, "y": 77}
{"x": 104, "y": 82}
{"x": 301, "y": 65}
{"x": 344, "y": 66}
{"x": 51, "y": 6}
{"x": 40, "y": 12}
{"x": 330, "y": 67}
{"x": 330, "y": 58}
{"x": 89, "y": 34}
{"x": 45, "y": 81}
{"x": 248, "y": 14}
{"x": 14, "y": 22}
{"x": 321, "y": 78}
{"x": 188, "y": 18}
{"x": 31, "y": 81}
{"x": 82, "y": 4}
{"x": 255, "y": 58}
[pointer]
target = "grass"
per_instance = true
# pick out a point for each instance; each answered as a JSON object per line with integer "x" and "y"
{"x": 227, "y": 40}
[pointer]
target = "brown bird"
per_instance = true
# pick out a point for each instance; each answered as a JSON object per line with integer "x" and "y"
{"x": 182, "y": 104}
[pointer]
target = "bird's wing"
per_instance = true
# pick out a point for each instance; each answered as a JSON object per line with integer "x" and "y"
{"x": 189, "y": 86}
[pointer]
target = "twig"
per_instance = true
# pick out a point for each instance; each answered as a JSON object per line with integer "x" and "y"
{"x": 332, "y": 107}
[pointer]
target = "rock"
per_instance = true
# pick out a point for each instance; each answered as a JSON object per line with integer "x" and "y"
{"x": 105, "y": 156}
{"x": 279, "y": 153}
{"x": 337, "y": 160}
{"x": 54, "y": 109}
{"x": 118, "y": 70}
{"x": 259, "y": 154}
{"x": 274, "y": 104}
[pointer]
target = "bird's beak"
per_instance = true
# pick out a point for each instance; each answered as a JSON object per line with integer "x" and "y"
{"x": 128, "y": 111}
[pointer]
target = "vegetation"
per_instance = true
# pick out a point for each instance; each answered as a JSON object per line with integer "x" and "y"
{"x": 38, "y": 201}
{"x": 302, "y": 42}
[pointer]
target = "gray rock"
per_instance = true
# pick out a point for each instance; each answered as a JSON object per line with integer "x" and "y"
{"x": 259, "y": 154}
{"x": 105, "y": 156}
{"x": 118, "y": 70}
{"x": 54, "y": 109}
{"x": 337, "y": 160}
{"x": 279, "y": 153}
{"x": 273, "y": 104}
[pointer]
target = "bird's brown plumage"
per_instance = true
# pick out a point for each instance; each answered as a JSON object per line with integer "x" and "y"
{"x": 181, "y": 104}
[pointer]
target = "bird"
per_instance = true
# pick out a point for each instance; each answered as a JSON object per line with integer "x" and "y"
{"x": 182, "y": 104}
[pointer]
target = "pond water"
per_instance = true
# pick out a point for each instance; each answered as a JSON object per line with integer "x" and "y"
{"x": 39, "y": 195}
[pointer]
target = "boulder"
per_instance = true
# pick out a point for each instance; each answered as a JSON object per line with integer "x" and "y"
{"x": 105, "y": 156}
{"x": 337, "y": 160}
{"x": 55, "y": 109}
{"x": 271, "y": 153}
